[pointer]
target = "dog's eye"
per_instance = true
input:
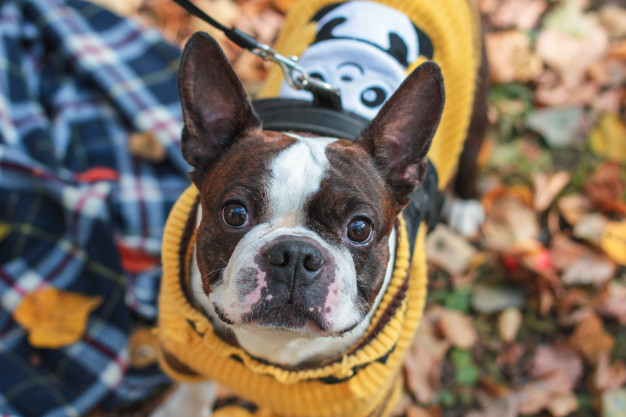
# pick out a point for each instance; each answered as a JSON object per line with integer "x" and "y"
{"x": 373, "y": 97}
{"x": 234, "y": 215}
{"x": 359, "y": 230}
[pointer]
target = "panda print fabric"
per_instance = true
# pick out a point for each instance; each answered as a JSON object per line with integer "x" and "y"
{"x": 363, "y": 49}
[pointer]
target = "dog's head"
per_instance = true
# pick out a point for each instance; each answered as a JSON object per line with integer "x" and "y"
{"x": 294, "y": 230}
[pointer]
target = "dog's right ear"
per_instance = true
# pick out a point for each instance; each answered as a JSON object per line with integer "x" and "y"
{"x": 216, "y": 109}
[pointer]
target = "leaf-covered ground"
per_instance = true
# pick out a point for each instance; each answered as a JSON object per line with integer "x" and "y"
{"x": 527, "y": 318}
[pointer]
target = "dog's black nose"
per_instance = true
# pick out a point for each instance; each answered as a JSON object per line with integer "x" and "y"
{"x": 298, "y": 257}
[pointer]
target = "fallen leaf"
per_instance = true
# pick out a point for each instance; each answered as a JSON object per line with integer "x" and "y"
{"x": 509, "y": 222}
{"x": 520, "y": 14}
{"x": 613, "y": 241}
{"x": 457, "y": 328}
{"x": 55, "y": 318}
{"x": 535, "y": 396}
{"x": 491, "y": 406}
{"x": 558, "y": 126}
{"x": 606, "y": 188}
{"x": 510, "y": 57}
{"x": 146, "y": 146}
{"x": 509, "y": 323}
{"x": 571, "y": 40}
{"x": 609, "y": 376}
{"x": 613, "y": 18}
{"x": 613, "y": 303}
{"x": 608, "y": 138}
{"x": 614, "y": 403}
{"x": 590, "y": 338}
{"x": 449, "y": 250}
{"x": 574, "y": 207}
{"x": 491, "y": 298}
{"x": 590, "y": 267}
{"x": 550, "y": 360}
{"x": 564, "y": 251}
{"x": 561, "y": 405}
{"x": 591, "y": 228}
{"x": 547, "y": 187}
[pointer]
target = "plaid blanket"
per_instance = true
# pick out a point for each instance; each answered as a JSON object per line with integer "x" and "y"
{"x": 78, "y": 211}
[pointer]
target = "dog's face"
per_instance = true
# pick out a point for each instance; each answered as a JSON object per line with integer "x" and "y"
{"x": 294, "y": 230}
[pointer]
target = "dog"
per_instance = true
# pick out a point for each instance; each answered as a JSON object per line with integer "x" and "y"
{"x": 287, "y": 270}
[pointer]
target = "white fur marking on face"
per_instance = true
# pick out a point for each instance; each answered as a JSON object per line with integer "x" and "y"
{"x": 296, "y": 174}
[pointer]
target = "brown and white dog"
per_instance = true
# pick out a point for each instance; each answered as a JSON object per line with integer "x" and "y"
{"x": 295, "y": 234}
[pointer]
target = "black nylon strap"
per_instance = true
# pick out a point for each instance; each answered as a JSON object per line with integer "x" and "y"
{"x": 281, "y": 114}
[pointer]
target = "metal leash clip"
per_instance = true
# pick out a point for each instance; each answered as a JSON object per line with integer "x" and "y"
{"x": 298, "y": 78}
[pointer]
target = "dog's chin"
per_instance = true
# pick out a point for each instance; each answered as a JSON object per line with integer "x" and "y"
{"x": 285, "y": 318}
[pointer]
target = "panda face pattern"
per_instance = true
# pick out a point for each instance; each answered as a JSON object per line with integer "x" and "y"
{"x": 365, "y": 77}
{"x": 361, "y": 48}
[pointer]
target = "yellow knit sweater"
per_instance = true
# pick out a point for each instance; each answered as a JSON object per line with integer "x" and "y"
{"x": 454, "y": 29}
{"x": 363, "y": 382}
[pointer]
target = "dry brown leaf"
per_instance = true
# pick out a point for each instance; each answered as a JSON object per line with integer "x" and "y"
{"x": 605, "y": 186}
{"x": 422, "y": 365}
{"x": 609, "y": 376}
{"x": 574, "y": 207}
{"x": 590, "y": 338}
{"x": 520, "y": 14}
{"x": 458, "y": 329}
{"x": 591, "y": 267}
{"x": 511, "y": 58}
{"x": 509, "y": 323}
{"x": 613, "y": 303}
{"x": 449, "y": 250}
{"x": 547, "y": 187}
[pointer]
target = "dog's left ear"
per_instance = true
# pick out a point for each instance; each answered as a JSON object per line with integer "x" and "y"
{"x": 216, "y": 108}
{"x": 400, "y": 135}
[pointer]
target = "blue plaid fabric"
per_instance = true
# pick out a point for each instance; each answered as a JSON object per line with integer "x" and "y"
{"x": 75, "y": 82}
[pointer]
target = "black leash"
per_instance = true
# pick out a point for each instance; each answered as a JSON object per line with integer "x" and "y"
{"x": 324, "y": 94}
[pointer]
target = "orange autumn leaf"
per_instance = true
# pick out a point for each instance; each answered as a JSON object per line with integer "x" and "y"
{"x": 55, "y": 318}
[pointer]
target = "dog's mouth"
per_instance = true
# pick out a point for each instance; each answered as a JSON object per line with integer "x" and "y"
{"x": 290, "y": 318}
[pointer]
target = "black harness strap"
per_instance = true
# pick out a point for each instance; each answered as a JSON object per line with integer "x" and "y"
{"x": 282, "y": 114}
